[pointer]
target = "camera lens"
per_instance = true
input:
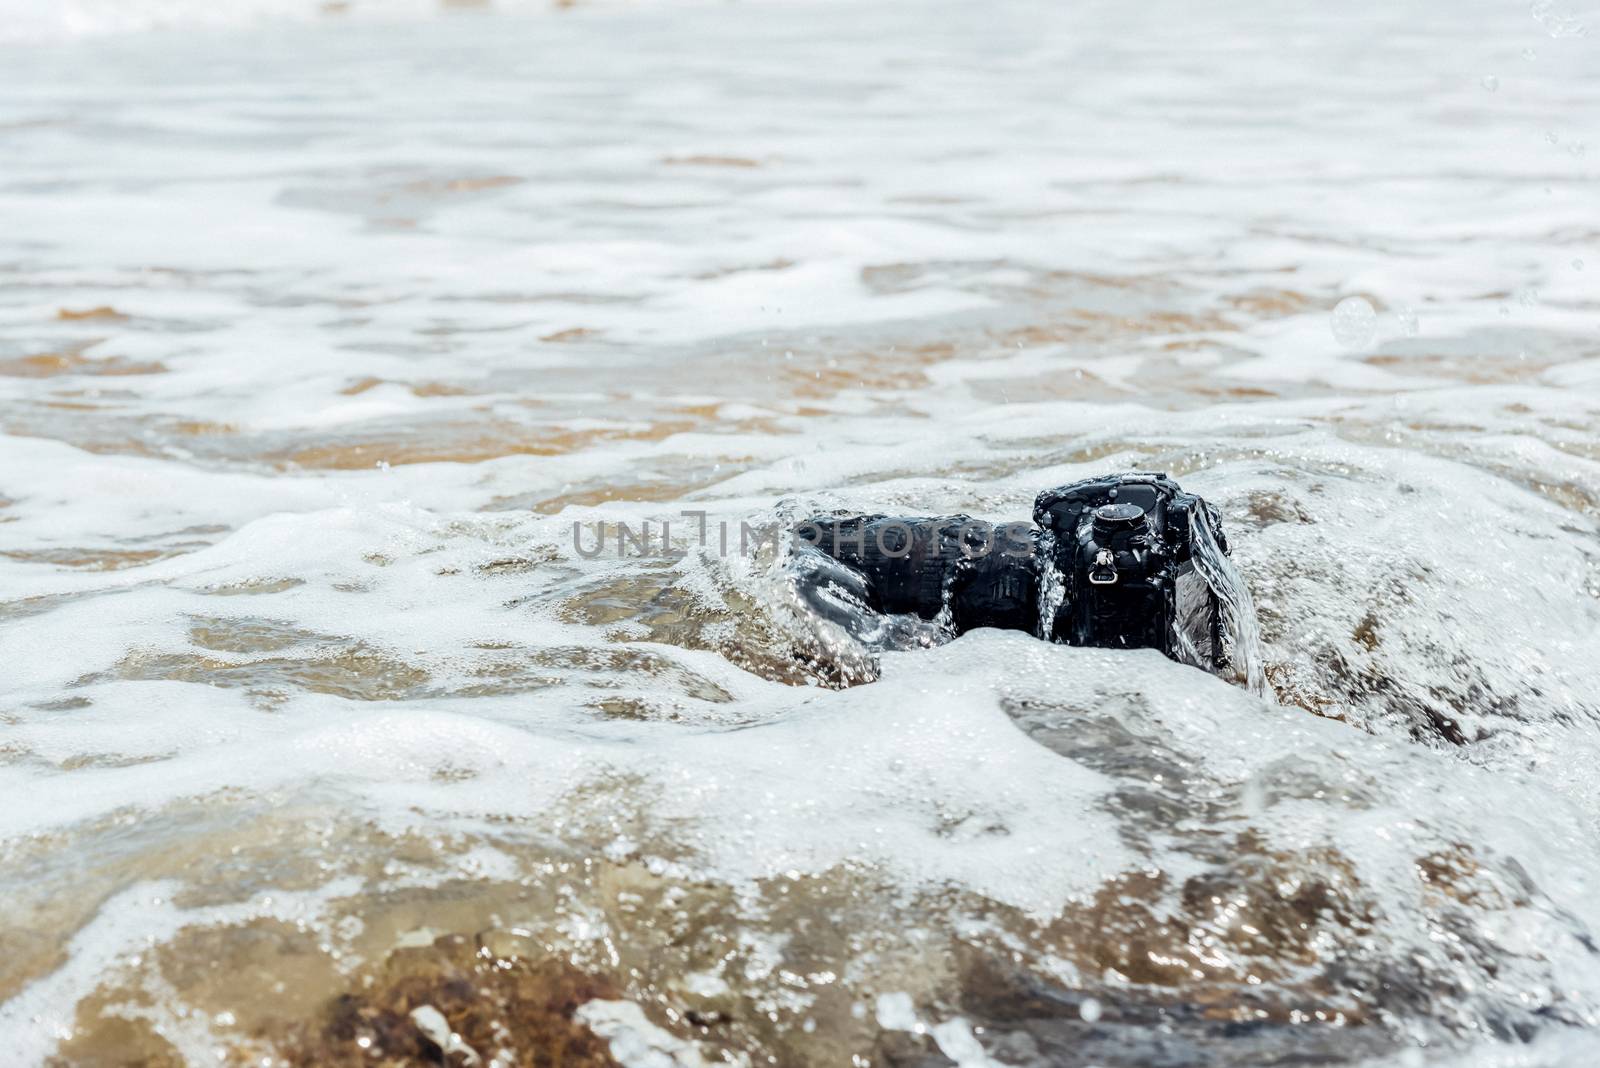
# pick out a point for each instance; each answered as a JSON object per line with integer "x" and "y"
{"x": 1117, "y": 518}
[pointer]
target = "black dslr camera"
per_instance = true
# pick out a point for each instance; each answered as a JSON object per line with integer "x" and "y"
{"x": 1133, "y": 553}
{"x": 1124, "y": 561}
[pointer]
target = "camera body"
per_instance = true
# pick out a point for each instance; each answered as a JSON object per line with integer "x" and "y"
{"x": 1110, "y": 562}
{"x": 1123, "y": 548}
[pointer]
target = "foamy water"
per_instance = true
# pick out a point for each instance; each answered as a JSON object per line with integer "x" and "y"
{"x": 322, "y": 328}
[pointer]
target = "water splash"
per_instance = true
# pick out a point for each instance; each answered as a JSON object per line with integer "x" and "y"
{"x": 1242, "y": 631}
{"x": 830, "y": 624}
{"x": 827, "y": 624}
{"x": 1052, "y": 588}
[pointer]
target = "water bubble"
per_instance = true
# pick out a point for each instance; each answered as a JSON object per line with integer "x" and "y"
{"x": 1556, "y": 23}
{"x": 1410, "y": 326}
{"x": 1490, "y": 82}
{"x": 1090, "y": 1009}
{"x": 1577, "y": 148}
{"x": 1354, "y": 323}
{"x": 1577, "y": 265}
{"x": 1528, "y": 296}
{"x": 1552, "y": 137}
{"x": 1530, "y": 54}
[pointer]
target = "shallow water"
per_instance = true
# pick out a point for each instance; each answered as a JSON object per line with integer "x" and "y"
{"x": 320, "y": 332}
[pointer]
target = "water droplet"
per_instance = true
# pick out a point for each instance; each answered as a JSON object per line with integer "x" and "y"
{"x": 1490, "y": 82}
{"x": 1409, "y": 324}
{"x": 1552, "y": 137}
{"x": 1555, "y": 23}
{"x": 1354, "y": 323}
{"x": 1530, "y": 54}
{"x": 1577, "y": 265}
{"x": 1090, "y": 1009}
{"x": 1528, "y": 296}
{"x": 1577, "y": 148}
{"x": 1505, "y": 309}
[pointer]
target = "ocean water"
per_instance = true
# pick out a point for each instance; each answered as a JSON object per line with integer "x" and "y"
{"x": 330, "y": 335}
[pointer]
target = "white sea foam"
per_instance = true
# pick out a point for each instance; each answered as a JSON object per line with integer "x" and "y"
{"x": 41, "y": 21}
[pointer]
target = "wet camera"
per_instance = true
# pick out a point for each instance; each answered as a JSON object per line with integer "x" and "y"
{"x": 1132, "y": 554}
{"x": 1123, "y": 561}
